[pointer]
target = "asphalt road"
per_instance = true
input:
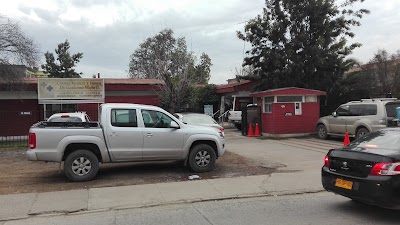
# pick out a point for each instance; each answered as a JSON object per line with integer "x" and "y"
{"x": 321, "y": 208}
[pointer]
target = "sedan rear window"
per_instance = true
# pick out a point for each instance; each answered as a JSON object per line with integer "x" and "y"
{"x": 383, "y": 139}
{"x": 66, "y": 119}
{"x": 198, "y": 119}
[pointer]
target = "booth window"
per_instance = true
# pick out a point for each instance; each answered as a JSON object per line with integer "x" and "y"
{"x": 268, "y": 104}
{"x": 289, "y": 98}
{"x": 311, "y": 98}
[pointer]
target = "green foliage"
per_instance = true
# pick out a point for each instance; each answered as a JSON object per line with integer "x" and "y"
{"x": 201, "y": 72}
{"x": 66, "y": 62}
{"x": 165, "y": 57}
{"x": 165, "y": 53}
{"x": 300, "y": 43}
{"x": 384, "y": 70}
{"x": 204, "y": 95}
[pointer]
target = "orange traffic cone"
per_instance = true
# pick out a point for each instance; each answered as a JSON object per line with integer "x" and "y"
{"x": 346, "y": 139}
{"x": 250, "y": 131}
{"x": 257, "y": 132}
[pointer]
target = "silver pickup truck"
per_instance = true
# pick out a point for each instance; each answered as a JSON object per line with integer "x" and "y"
{"x": 124, "y": 133}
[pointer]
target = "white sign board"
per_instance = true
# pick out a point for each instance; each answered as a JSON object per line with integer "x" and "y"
{"x": 72, "y": 90}
{"x": 209, "y": 110}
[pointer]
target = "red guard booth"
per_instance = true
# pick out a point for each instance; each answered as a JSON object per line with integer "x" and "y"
{"x": 289, "y": 111}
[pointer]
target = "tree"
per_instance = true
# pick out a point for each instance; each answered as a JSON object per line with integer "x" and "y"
{"x": 300, "y": 43}
{"x": 63, "y": 69}
{"x": 201, "y": 72}
{"x": 15, "y": 48}
{"x": 384, "y": 72}
{"x": 165, "y": 57}
{"x": 204, "y": 95}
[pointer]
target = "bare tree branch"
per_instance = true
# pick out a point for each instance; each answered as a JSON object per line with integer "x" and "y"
{"x": 15, "y": 49}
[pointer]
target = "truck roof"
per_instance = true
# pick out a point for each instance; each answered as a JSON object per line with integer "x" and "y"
{"x": 122, "y": 105}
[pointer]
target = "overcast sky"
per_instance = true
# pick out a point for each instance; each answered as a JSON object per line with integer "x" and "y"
{"x": 108, "y": 31}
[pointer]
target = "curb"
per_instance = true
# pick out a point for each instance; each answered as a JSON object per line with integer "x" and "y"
{"x": 125, "y": 207}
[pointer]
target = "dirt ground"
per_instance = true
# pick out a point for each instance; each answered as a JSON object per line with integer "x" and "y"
{"x": 17, "y": 175}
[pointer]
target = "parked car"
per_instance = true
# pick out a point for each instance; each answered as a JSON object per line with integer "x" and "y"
{"x": 359, "y": 118}
{"x": 199, "y": 120}
{"x": 366, "y": 170}
{"x": 125, "y": 133}
{"x": 69, "y": 117}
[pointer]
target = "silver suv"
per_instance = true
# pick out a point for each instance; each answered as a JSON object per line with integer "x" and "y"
{"x": 359, "y": 118}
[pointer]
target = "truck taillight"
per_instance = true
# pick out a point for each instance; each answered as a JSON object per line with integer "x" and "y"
{"x": 32, "y": 140}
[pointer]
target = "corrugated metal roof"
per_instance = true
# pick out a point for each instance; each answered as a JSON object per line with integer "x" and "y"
{"x": 277, "y": 90}
{"x": 34, "y": 80}
{"x": 222, "y": 86}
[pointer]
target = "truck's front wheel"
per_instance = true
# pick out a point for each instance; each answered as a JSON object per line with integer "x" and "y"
{"x": 202, "y": 158}
{"x": 81, "y": 165}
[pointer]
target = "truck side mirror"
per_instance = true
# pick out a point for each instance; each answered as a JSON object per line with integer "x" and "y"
{"x": 334, "y": 114}
{"x": 174, "y": 125}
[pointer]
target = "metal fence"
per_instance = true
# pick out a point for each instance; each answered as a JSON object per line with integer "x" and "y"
{"x": 14, "y": 142}
{"x": 14, "y": 126}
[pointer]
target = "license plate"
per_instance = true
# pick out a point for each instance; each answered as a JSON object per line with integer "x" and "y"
{"x": 344, "y": 184}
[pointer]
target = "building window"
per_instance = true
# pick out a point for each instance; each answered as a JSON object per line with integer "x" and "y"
{"x": 311, "y": 98}
{"x": 289, "y": 98}
{"x": 268, "y": 104}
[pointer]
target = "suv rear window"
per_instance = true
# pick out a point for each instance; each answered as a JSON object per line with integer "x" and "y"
{"x": 391, "y": 109}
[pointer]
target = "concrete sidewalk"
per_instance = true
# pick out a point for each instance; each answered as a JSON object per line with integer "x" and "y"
{"x": 18, "y": 206}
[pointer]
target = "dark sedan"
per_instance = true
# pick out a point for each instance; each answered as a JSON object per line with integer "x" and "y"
{"x": 367, "y": 170}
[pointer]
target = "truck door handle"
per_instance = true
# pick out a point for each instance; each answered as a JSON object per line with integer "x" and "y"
{"x": 113, "y": 134}
{"x": 149, "y": 135}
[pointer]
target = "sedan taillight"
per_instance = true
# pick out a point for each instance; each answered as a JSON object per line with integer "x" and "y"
{"x": 32, "y": 140}
{"x": 326, "y": 161}
{"x": 385, "y": 169}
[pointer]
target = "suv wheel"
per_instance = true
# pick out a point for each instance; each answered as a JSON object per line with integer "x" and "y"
{"x": 321, "y": 131}
{"x": 361, "y": 132}
{"x": 81, "y": 165}
{"x": 202, "y": 158}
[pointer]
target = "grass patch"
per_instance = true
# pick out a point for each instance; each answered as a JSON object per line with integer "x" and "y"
{"x": 13, "y": 145}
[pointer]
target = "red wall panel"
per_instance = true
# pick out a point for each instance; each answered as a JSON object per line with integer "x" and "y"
{"x": 277, "y": 123}
{"x": 13, "y": 122}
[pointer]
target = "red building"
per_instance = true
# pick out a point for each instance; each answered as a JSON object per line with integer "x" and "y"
{"x": 289, "y": 110}
{"x": 235, "y": 95}
{"x": 20, "y": 106}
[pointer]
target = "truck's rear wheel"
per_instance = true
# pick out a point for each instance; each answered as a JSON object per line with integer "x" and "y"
{"x": 81, "y": 165}
{"x": 202, "y": 158}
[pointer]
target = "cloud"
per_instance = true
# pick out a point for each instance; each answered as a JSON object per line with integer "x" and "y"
{"x": 108, "y": 47}
{"x": 108, "y": 31}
